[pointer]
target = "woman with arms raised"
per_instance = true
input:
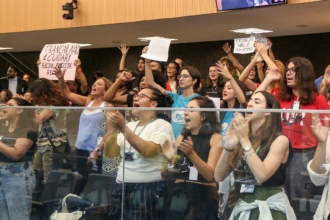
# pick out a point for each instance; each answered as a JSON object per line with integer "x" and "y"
{"x": 258, "y": 153}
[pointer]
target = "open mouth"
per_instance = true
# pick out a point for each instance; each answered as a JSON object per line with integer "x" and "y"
{"x": 135, "y": 104}
{"x": 187, "y": 120}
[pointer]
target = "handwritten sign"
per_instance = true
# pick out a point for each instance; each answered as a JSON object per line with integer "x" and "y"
{"x": 260, "y": 39}
{"x": 158, "y": 49}
{"x": 244, "y": 45}
{"x": 58, "y": 55}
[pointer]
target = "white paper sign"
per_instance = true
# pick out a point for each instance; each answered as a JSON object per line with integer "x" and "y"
{"x": 158, "y": 49}
{"x": 62, "y": 55}
{"x": 244, "y": 45}
{"x": 260, "y": 39}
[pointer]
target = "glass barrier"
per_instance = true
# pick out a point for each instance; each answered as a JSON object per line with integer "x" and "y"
{"x": 132, "y": 163}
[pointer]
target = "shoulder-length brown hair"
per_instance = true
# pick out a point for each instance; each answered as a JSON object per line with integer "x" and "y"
{"x": 305, "y": 77}
{"x": 46, "y": 92}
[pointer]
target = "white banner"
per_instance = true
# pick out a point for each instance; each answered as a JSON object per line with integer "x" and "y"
{"x": 61, "y": 55}
{"x": 244, "y": 45}
{"x": 158, "y": 49}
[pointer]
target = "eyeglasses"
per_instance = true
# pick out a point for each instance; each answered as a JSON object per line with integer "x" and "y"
{"x": 185, "y": 76}
{"x": 291, "y": 70}
{"x": 141, "y": 95}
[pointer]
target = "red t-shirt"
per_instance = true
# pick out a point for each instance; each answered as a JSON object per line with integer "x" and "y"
{"x": 297, "y": 126}
{"x": 167, "y": 87}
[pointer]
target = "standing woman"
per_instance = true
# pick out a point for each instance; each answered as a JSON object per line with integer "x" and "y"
{"x": 16, "y": 172}
{"x": 47, "y": 96}
{"x": 198, "y": 146}
{"x": 214, "y": 84}
{"x": 259, "y": 154}
{"x": 172, "y": 72}
{"x": 93, "y": 130}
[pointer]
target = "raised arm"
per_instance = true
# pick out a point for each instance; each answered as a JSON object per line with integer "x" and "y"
{"x": 109, "y": 96}
{"x": 278, "y": 153}
{"x": 238, "y": 91}
{"x": 273, "y": 75}
{"x": 124, "y": 51}
{"x": 149, "y": 75}
{"x": 75, "y": 98}
{"x": 81, "y": 76}
{"x": 227, "y": 49}
{"x": 270, "y": 51}
{"x": 262, "y": 50}
{"x": 244, "y": 77}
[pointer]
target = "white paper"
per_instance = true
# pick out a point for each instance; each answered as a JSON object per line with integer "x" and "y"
{"x": 158, "y": 49}
{"x": 244, "y": 45}
{"x": 260, "y": 39}
{"x": 62, "y": 55}
{"x": 193, "y": 173}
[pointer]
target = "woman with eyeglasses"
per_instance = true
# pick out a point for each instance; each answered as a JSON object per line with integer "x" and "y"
{"x": 189, "y": 80}
{"x": 140, "y": 145}
{"x": 258, "y": 154}
{"x": 214, "y": 84}
{"x": 93, "y": 130}
{"x": 297, "y": 91}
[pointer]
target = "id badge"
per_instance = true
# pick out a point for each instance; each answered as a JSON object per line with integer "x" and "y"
{"x": 99, "y": 140}
{"x": 193, "y": 173}
{"x": 247, "y": 188}
{"x": 296, "y": 105}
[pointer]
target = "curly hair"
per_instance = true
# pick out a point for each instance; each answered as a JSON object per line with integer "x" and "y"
{"x": 46, "y": 92}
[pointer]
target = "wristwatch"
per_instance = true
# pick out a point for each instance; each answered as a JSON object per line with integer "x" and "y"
{"x": 97, "y": 150}
{"x": 247, "y": 148}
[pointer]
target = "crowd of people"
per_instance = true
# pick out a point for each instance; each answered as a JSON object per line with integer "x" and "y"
{"x": 175, "y": 164}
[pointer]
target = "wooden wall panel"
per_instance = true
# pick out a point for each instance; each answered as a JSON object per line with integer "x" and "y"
{"x": 32, "y": 15}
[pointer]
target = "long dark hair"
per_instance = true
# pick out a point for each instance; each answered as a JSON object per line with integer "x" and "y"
{"x": 211, "y": 122}
{"x": 305, "y": 77}
{"x": 46, "y": 92}
{"x": 163, "y": 101}
{"x": 209, "y": 83}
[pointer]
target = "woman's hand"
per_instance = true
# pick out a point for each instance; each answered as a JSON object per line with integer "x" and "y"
{"x": 231, "y": 138}
{"x": 321, "y": 132}
{"x": 145, "y": 49}
{"x": 226, "y": 48}
{"x": 169, "y": 150}
{"x": 187, "y": 147}
{"x": 261, "y": 49}
{"x": 123, "y": 48}
{"x": 59, "y": 73}
{"x": 223, "y": 70}
{"x": 241, "y": 127}
{"x": 257, "y": 58}
{"x": 93, "y": 156}
{"x": 77, "y": 62}
{"x": 116, "y": 119}
{"x": 126, "y": 76}
{"x": 274, "y": 75}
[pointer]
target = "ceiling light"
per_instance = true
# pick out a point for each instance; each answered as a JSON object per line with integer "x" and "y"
{"x": 6, "y": 48}
{"x": 251, "y": 30}
{"x": 147, "y": 39}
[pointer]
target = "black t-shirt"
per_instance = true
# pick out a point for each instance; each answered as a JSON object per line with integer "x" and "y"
{"x": 9, "y": 138}
{"x": 215, "y": 91}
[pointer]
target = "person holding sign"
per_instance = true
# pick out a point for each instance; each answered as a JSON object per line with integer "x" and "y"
{"x": 93, "y": 129}
{"x": 258, "y": 153}
{"x": 189, "y": 79}
{"x": 199, "y": 147}
{"x": 297, "y": 91}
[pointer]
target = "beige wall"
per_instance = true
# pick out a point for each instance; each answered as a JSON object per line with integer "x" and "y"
{"x": 31, "y": 15}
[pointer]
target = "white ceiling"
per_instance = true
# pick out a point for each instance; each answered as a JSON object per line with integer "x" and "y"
{"x": 282, "y": 19}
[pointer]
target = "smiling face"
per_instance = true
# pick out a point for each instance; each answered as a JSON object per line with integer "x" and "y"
{"x": 257, "y": 101}
{"x": 213, "y": 73}
{"x": 193, "y": 119}
{"x": 98, "y": 88}
{"x": 228, "y": 93}
{"x": 291, "y": 79}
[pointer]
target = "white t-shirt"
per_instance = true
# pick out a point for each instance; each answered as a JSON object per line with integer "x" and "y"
{"x": 143, "y": 169}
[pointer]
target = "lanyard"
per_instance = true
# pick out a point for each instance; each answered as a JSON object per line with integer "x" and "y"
{"x": 153, "y": 119}
{"x": 247, "y": 168}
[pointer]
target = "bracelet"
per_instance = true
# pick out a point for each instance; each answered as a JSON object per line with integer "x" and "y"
{"x": 248, "y": 155}
{"x": 228, "y": 149}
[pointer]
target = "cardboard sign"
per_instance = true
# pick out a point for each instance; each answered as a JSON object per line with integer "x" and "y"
{"x": 244, "y": 45}
{"x": 158, "y": 49}
{"x": 61, "y": 55}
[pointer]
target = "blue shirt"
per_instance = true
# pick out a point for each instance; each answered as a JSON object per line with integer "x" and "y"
{"x": 177, "y": 117}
